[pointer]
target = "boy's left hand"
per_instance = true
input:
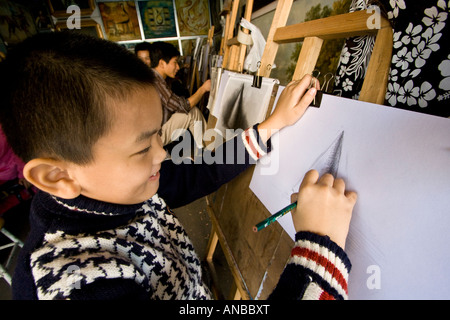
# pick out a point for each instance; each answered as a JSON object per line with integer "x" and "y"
{"x": 292, "y": 104}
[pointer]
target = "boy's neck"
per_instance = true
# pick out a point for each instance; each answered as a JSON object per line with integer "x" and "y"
{"x": 161, "y": 72}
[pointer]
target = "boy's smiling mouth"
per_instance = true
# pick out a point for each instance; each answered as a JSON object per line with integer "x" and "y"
{"x": 154, "y": 176}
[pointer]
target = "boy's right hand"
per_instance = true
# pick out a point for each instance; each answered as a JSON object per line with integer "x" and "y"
{"x": 291, "y": 105}
{"x": 324, "y": 207}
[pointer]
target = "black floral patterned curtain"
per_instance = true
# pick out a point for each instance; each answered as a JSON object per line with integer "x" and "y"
{"x": 419, "y": 77}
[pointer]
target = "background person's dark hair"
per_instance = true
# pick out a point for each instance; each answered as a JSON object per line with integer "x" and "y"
{"x": 143, "y": 46}
{"x": 55, "y": 89}
{"x": 162, "y": 50}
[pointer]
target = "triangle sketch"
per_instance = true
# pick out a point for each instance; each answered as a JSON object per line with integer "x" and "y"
{"x": 328, "y": 161}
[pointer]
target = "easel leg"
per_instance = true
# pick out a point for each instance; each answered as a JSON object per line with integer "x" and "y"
{"x": 234, "y": 294}
{"x": 211, "y": 248}
{"x": 213, "y": 239}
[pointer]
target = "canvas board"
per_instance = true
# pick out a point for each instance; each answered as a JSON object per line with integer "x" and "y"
{"x": 398, "y": 163}
{"x": 239, "y": 105}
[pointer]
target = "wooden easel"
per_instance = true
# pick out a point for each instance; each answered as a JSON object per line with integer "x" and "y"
{"x": 256, "y": 260}
{"x": 195, "y": 81}
{"x": 312, "y": 33}
{"x": 234, "y": 52}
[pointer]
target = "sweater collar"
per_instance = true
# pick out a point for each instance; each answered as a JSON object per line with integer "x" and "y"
{"x": 83, "y": 214}
{"x": 85, "y": 206}
{"x": 96, "y": 207}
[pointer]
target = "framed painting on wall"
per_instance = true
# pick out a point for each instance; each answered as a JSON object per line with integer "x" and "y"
{"x": 88, "y": 26}
{"x": 16, "y": 22}
{"x": 120, "y": 20}
{"x": 158, "y": 19}
{"x": 58, "y": 8}
{"x": 193, "y": 17}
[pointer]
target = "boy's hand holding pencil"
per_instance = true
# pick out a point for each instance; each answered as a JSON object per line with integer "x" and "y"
{"x": 324, "y": 207}
{"x": 321, "y": 206}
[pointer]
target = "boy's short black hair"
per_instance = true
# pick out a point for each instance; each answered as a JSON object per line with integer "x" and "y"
{"x": 143, "y": 46}
{"x": 55, "y": 90}
{"x": 162, "y": 50}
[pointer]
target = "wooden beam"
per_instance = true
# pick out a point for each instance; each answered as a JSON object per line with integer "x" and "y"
{"x": 270, "y": 50}
{"x": 378, "y": 70}
{"x": 308, "y": 57}
{"x": 334, "y": 27}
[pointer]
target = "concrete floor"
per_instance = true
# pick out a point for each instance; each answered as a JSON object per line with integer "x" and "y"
{"x": 194, "y": 218}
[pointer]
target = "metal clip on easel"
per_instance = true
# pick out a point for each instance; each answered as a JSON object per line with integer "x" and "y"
{"x": 257, "y": 79}
{"x": 318, "y": 97}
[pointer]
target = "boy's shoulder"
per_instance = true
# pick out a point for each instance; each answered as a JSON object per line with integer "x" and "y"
{"x": 76, "y": 247}
{"x": 66, "y": 247}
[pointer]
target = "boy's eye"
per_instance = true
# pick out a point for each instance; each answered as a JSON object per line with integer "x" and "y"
{"x": 144, "y": 151}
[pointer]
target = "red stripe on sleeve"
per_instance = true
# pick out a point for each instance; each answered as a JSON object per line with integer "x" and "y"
{"x": 322, "y": 261}
{"x": 252, "y": 147}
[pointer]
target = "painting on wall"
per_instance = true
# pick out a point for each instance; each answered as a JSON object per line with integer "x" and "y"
{"x": 88, "y": 27}
{"x": 58, "y": 8}
{"x": 158, "y": 19}
{"x": 120, "y": 20}
{"x": 16, "y": 22}
{"x": 193, "y": 17}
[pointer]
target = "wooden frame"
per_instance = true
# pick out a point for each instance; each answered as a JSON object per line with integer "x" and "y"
{"x": 58, "y": 8}
{"x": 85, "y": 24}
{"x": 234, "y": 52}
{"x": 312, "y": 33}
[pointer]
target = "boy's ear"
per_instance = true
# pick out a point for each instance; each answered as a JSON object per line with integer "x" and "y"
{"x": 161, "y": 63}
{"x": 52, "y": 177}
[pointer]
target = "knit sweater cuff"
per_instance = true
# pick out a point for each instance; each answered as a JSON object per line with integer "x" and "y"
{"x": 325, "y": 262}
{"x": 253, "y": 143}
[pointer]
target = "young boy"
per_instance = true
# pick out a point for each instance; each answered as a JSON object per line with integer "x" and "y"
{"x": 85, "y": 117}
{"x": 179, "y": 112}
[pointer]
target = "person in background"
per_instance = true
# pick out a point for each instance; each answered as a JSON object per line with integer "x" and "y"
{"x": 179, "y": 112}
{"x": 142, "y": 51}
{"x": 14, "y": 187}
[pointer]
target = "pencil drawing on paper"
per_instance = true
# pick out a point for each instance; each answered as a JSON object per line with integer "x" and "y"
{"x": 234, "y": 116}
{"x": 242, "y": 105}
{"x": 328, "y": 161}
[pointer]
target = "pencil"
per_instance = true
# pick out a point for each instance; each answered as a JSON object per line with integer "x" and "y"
{"x": 274, "y": 217}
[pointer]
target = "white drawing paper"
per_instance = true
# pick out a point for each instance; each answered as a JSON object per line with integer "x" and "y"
{"x": 398, "y": 163}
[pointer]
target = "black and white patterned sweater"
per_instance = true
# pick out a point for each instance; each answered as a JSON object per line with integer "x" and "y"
{"x": 88, "y": 249}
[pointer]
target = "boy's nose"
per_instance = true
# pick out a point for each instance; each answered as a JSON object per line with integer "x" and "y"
{"x": 160, "y": 153}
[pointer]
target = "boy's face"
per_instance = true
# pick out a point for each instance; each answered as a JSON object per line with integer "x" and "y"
{"x": 144, "y": 55}
{"x": 171, "y": 68}
{"x": 127, "y": 160}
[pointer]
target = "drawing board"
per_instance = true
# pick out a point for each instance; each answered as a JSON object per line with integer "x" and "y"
{"x": 398, "y": 163}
